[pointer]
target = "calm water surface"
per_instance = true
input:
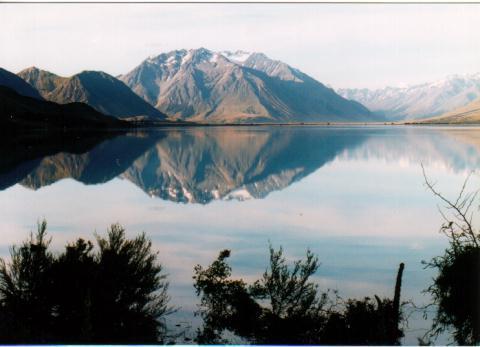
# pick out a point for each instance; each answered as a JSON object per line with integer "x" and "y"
{"x": 353, "y": 195}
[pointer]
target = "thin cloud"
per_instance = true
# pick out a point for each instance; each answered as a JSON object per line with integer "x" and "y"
{"x": 343, "y": 45}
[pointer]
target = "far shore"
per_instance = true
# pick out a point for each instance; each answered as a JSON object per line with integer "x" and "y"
{"x": 325, "y": 124}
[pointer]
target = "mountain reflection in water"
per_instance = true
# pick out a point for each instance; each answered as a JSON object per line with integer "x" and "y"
{"x": 198, "y": 165}
{"x": 358, "y": 199}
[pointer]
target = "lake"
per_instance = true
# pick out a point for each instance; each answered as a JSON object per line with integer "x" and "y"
{"x": 354, "y": 195}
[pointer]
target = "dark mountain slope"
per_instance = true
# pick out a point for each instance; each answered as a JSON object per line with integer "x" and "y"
{"x": 10, "y": 80}
{"x": 18, "y": 111}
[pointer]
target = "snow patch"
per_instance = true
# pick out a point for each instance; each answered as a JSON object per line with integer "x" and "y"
{"x": 240, "y": 194}
{"x": 187, "y": 194}
{"x": 214, "y": 58}
{"x": 238, "y": 56}
{"x": 216, "y": 194}
{"x": 186, "y": 57}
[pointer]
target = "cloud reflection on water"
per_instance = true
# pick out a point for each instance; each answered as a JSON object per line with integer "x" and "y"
{"x": 355, "y": 196}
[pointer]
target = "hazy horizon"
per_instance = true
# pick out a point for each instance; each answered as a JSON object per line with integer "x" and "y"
{"x": 341, "y": 45}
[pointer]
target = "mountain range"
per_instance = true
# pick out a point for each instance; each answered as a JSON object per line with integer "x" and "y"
{"x": 101, "y": 91}
{"x": 224, "y": 87}
{"x": 419, "y": 101}
{"x": 204, "y": 86}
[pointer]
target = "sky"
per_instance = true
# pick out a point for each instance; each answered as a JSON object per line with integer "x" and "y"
{"x": 341, "y": 45}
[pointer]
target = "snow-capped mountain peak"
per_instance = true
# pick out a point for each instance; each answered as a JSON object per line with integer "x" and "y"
{"x": 181, "y": 57}
{"x": 238, "y": 86}
{"x": 237, "y": 56}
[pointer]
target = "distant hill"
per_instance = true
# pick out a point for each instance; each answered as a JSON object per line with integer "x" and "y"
{"x": 419, "y": 101}
{"x": 10, "y": 80}
{"x": 463, "y": 115}
{"x": 101, "y": 91}
{"x": 18, "y": 111}
{"x": 239, "y": 87}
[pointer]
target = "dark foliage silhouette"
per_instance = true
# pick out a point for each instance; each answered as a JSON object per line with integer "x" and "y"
{"x": 116, "y": 294}
{"x": 456, "y": 288}
{"x": 24, "y": 291}
{"x": 285, "y": 307}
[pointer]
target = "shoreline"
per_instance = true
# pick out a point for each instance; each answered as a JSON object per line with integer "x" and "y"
{"x": 150, "y": 126}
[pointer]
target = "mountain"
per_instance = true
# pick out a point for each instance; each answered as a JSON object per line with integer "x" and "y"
{"x": 10, "y": 80}
{"x": 101, "y": 91}
{"x": 466, "y": 114}
{"x": 419, "y": 101}
{"x": 18, "y": 111}
{"x": 205, "y": 86}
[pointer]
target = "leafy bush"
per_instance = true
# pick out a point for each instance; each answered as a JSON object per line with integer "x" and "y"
{"x": 116, "y": 294}
{"x": 285, "y": 307}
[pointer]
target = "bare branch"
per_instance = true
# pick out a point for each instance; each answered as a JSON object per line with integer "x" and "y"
{"x": 460, "y": 207}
